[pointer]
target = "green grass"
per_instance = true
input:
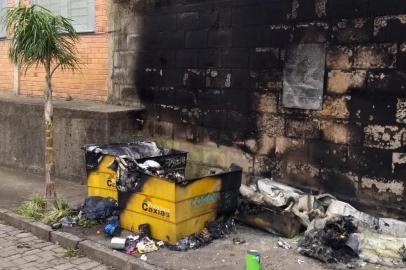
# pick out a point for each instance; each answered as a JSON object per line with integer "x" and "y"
{"x": 33, "y": 208}
{"x": 36, "y": 208}
{"x": 71, "y": 252}
{"x": 87, "y": 223}
{"x": 59, "y": 210}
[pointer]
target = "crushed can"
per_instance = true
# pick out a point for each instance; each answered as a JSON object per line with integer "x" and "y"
{"x": 253, "y": 260}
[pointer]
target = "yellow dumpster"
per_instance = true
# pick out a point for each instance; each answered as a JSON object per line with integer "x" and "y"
{"x": 101, "y": 175}
{"x": 173, "y": 208}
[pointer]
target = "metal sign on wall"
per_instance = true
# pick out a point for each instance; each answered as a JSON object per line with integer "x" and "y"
{"x": 303, "y": 77}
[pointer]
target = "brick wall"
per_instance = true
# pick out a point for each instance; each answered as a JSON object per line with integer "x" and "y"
{"x": 210, "y": 74}
{"x": 91, "y": 82}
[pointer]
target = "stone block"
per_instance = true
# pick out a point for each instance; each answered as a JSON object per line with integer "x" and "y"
{"x": 401, "y": 111}
{"x": 335, "y": 107}
{"x": 187, "y": 58}
{"x": 328, "y": 155}
{"x": 266, "y": 145}
{"x": 216, "y": 78}
{"x": 375, "y": 56}
{"x": 187, "y": 20}
{"x": 267, "y": 103}
{"x": 378, "y": 189}
{"x": 164, "y": 22}
{"x": 16, "y": 220}
{"x": 314, "y": 32}
{"x": 247, "y": 36}
{"x": 278, "y": 35}
{"x": 246, "y": 15}
{"x": 372, "y": 107}
{"x": 264, "y": 166}
{"x": 64, "y": 239}
{"x": 341, "y": 133}
{"x": 265, "y": 58}
{"x": 402, "y": 56}
{"x": 196, "y": 39}
{"x": 341, "y": 82}
{"x": 339, "y": 57}
{"x": 307, "y": 10}
{"x": 285, "y": 145}
{"x": 352, "y": 31}
{"x": 370, "y": 161}
{"x": 347, "y": 8}
{"x": 383, "y": 137}
{"x": 387, "y": 83}
{"x": 339, "y": 183}
{"x": 217, "y": 18}
{"x": 270, "y": 124}
{"x": 235, "y": 58}
{"x": 220, "y": 38}
{"x": 303, "y": 174}
{"x": 399, "y": 164}
{"x": 40, "y": 230}
{"x": 390, "y": 28}
{"x": 210, "y": 58}
{"x": 387, "y": 7}
{"x": 270, "y": 80}
{"x": 303, "y": 128}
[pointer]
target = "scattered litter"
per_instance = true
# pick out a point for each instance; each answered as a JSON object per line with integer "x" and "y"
{"x": 68, "y": 221}
{"x": 283, "y": 244}
{"x": 379, "y": 248}
{"x": 238, "y": 241}
{"x": 213, "y": 230}
{"x": 160, "y": 243}
{"x": 253, "y": 260}
{"x": 146, "y": 245}
{"x": 113, "y": 226}
{"x": 56, "y": 226}
{"x": 144, "y": 257}
{"x": 299, "y": 261}
{"x": 329, "y": 244}
{"x": 118, "y": 243}
{"x": 23, "y": 245}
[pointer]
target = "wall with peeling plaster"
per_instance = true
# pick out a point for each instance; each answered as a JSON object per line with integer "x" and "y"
{"x": 211, "y": 76}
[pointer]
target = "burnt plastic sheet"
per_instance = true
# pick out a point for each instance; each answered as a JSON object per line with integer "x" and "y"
{"x": 303, "y": 79}
{"x": 137, "y": 150}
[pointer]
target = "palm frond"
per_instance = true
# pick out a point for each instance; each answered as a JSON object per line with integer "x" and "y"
{"x": 41, "y": 38}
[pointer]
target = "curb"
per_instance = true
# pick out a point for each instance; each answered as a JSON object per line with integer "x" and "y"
{"x": 88, "y": 248}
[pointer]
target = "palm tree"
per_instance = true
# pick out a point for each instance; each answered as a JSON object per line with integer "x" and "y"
{"x": 42, "y": 39}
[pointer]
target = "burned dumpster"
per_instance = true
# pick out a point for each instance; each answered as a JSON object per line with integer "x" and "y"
{"x": 162, "y": 189}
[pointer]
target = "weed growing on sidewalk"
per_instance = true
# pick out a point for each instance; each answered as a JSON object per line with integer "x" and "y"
{"x": 71, "y": 252}
{"x": 33, "y": 208}
{"x": 59, "y": 210}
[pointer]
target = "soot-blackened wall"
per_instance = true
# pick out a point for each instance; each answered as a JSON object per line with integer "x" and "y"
{"x": 211, "y": 76}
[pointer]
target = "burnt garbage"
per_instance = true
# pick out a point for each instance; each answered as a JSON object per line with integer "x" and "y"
{"x": 335, "y": 231}
{"x": 213, "y": 230}
{"x": 331, "y": 243}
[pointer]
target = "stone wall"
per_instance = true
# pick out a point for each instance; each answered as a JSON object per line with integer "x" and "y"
{"x": 75, "y": 124}
{"x": 211, "y": 76}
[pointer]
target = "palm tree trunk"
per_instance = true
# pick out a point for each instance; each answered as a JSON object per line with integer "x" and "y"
{"x": 50, "y": 192}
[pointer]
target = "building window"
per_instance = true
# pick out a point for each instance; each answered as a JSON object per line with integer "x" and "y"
{"x": 303, "y": 77}
{"x": 81, "y": 12}
{"x": 3, "y": 6}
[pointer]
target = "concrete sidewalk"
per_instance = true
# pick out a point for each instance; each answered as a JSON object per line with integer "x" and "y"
{"x": 17, "y": 186}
